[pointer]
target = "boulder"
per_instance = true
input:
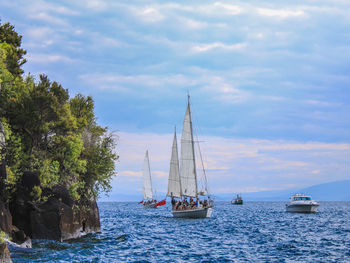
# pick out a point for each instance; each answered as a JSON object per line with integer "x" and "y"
{"x": 22, "y": 205}
{"x": 59, "y": 221}
{"x": 58, "y": 218}
{"x": 4, "y": 254}
{"x": 5, "y": 218}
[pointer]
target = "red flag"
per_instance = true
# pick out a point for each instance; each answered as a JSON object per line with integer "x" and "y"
{"x": 141, "y": 202}
{"x": 163, "y": 202}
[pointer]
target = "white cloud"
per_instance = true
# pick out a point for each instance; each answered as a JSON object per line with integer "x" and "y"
{"x": 48, "y": 58}
{"x": 280, "y": 13}
{"x": 96, "y": 5}
{"x": 232, "y": 9}
{"x": 199, "y": 48}
{"x": 47, "y": 18}
{"x": 241, "y": 165}
{"x": 192, "y": 24}
{"x": 148, "y": 14}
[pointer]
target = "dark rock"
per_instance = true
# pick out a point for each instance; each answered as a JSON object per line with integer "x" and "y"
{"x": 61, "y": 193}
{"x": 29, "y": 180}
{"x": 18, "y": 236}
{"x": 56, "y": 220}
{"x": 5, "y": 218}
{"x": 59, "y": 218}
{"x": 4, "y": 254}
{"x": 21, "y": 205}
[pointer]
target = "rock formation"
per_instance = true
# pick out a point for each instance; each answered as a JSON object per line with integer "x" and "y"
{"x": 4, "y": 254}
{"x": 58, "y": 218}
{"x": 5, "y": 216}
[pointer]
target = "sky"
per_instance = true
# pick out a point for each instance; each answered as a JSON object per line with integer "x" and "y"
{"x": 269, "y": 83}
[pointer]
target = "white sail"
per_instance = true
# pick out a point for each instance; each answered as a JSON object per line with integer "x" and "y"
{"x": 174, "y": 184}
{"x": 188, "y": 164}
{"x": 147, "y": 181}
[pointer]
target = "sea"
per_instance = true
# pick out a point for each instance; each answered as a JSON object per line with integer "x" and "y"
{"x": 252, "y": 232}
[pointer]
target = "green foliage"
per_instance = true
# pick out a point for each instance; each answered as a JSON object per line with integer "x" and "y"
{"x": 101, "y": 160}
{"x": 14, "y": 56}
{"x": 83, "y": 110}
{"x": 49, "y": 173}
{"x": 36, "y": 193}
{"x": 13, "y": 152}
{"x": 49, "y": 133}
{"x": 2, "y": 237}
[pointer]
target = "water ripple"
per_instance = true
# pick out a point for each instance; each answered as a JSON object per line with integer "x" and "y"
{"x": 254, "y": 232}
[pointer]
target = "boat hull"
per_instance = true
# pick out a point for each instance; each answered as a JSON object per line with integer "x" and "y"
{"x": 149, "y": 206}
{"x": 193, "y": 213}
{"x": 302, "y": 208}
{"x": 237, "y": 202}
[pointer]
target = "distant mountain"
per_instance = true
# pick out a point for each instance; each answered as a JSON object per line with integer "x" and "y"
{"x": 333, "y": 191}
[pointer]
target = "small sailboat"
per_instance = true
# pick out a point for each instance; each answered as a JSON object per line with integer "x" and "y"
{"x": 182, "y": 182}
{"x": 148, "y": 201}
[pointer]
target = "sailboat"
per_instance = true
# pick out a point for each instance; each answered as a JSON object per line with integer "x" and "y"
{"x": 148, "y": 201}
{"x": 182, "y": 182}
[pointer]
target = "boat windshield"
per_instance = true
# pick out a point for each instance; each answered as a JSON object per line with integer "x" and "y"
{"x": 302, "y": 198}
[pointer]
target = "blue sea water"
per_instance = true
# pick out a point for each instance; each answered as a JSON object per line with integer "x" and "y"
{"x": 254, "y": 232}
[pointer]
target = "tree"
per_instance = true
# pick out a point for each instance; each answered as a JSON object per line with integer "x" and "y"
{"x": 14, "y": 58}
{"x": 48, "y": 133}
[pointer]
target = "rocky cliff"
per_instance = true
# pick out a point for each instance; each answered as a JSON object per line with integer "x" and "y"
{"x": 5, "y": 216}
{"x": 4, "y": 254}
{"x": 58, "y": 218}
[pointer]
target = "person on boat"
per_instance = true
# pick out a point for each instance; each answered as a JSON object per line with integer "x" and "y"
{"x": 186, "y": 202}
{"x": 178, "y": 205}
{"x": 205, "y": 203}
{"x": 191, "y": 202}
{"x": 197, "y": 203}
{"x": 173, "y": 202}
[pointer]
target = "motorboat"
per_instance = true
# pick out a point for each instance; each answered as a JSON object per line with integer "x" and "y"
{"x": 237, "y": 201}
{"x": 301, "y": 203}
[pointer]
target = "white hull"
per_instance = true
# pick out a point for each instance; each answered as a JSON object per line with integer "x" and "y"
{"x": 193, "y": 213}
{"x": 302, "y": 208}
{"x": 153, "y": 205}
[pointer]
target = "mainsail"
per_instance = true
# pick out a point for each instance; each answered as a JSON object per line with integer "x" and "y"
{"x": 174, "y": 184}
{"x": 188, "y": 163}
{"x": 147, "y": 181}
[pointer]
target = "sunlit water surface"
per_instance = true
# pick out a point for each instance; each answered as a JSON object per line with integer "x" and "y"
{"x": 254, "y": 232}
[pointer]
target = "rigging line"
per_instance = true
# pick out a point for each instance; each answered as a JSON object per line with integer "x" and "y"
{"x": 199, "y": 149}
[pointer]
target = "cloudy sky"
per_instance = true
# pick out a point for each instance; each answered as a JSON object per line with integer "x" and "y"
{"x": 269, "y": 82}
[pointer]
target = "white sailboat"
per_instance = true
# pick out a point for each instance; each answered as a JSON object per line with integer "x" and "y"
{"x": 148, "y": 201}
{"x": 182, "y": 181}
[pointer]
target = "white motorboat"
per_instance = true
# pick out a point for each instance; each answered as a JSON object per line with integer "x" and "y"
{"x": 301, "y": 203}
{"x": 183, "y": 182}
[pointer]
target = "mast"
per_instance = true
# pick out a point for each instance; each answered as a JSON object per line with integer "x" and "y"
{"x": 174, "y": 182}
{"x": 147, "y": 180}
{"x": 188, "y": 172}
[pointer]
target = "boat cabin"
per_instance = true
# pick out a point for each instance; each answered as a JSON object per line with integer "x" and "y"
{"x": 301, "y": 198}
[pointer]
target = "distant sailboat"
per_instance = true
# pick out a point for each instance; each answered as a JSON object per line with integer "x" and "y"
{"x": 182, "y": 182}
{"x": 148, "y": 201}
